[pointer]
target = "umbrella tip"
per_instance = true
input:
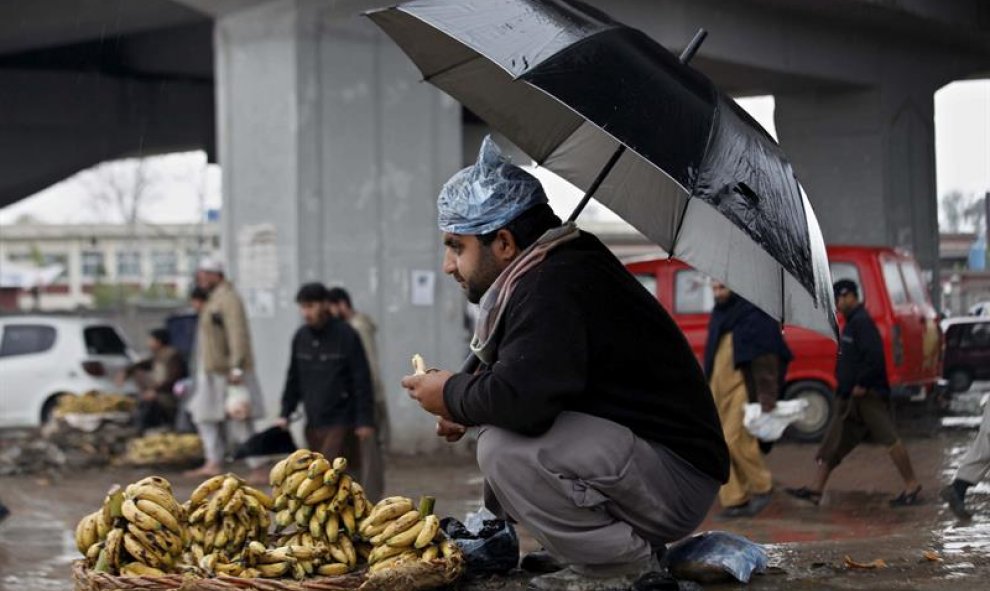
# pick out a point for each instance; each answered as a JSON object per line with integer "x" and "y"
{"x": 693, "y": 46}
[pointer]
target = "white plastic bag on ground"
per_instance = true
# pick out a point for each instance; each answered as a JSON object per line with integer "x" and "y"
{"x": 770, "y": 426}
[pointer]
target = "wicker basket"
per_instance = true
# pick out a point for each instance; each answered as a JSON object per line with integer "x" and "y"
{"x": 87, "y": 580}
{"x": 413, "y": 576}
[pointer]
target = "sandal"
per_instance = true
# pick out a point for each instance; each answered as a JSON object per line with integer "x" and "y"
{"x": 907, "y": 499}
{"x": 805, "y": 494}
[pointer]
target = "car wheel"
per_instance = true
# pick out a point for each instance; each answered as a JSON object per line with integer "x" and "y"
{"x": 960, "y": 380}
{"x": 49, "y": 407}
{"x": 818, "y": 413}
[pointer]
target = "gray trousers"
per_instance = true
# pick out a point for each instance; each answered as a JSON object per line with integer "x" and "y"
{"x": 373, "y": 467}
{"x": 595, "y": 495}
{"x": 976, "y": 463}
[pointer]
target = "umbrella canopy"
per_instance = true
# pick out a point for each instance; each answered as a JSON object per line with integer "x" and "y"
{"x": 581, "y": 94}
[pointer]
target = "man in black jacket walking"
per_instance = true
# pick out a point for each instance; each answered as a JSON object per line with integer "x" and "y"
{"x": 862, "y": 401}
{"x": 598, "y": 432}
{"x": 328, "y": 372}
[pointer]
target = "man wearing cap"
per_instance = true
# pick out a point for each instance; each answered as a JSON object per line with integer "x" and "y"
{"x": 861, "y": 401}
{"x": 227, "y": 396}
{"x": 597, "y": 429}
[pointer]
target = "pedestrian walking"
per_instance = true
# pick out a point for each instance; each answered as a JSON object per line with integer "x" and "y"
{"x": 372, "y": 448}
{"x": 156, "y": 377}
{"x": 745, "y": 360}
{"x": 973, "y": 468}
{"x": 597, "y": 430}
{"x": 227, "y": 395}
{"x": 328, "y": 373}
{"x": 862, "y": 405}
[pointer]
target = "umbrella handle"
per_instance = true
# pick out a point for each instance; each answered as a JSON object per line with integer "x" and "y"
{"x": 597, "y": 182}
{"x": 693, "y": 46}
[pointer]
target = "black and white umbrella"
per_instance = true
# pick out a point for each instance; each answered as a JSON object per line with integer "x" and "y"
{"x": 614, "y": 113}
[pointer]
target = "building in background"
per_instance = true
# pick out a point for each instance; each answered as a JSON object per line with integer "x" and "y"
{"x": 107, "y": 264}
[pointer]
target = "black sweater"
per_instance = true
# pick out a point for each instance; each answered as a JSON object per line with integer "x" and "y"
{"x": 329, "y": 373}
{"x": 861, "y": 359}
{"x": 581, "y": 334}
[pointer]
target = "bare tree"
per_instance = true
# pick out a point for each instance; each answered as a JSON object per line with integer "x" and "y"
{"x": 121, "y": 189}
{"x": 952, "y": 204}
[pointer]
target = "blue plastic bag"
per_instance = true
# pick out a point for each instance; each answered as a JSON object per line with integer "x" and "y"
{"x": 714, "y": 557}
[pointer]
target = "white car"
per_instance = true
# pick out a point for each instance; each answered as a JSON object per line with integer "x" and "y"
{"x": 42, "y": 357}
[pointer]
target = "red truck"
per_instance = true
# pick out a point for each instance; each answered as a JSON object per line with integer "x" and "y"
{"x": 893, "y": 290}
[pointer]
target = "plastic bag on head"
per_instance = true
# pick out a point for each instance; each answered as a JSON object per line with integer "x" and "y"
{"x": 487, "y": 195}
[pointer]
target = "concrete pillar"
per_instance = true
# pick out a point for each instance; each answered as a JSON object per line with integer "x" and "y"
{"x": 866, "y": 157}
{"x": 332, "y": 153}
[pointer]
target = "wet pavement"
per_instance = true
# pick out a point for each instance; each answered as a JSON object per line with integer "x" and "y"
{"x": 807, "y": 544}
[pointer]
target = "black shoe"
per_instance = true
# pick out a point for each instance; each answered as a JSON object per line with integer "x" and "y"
{"x": 956, "y": 502}
{"x": 540, "y": 562}
{"x": 4, "y": 512}
{"x": 735, "y": 512}
{"x": 907, "y": 498}
{"x": 758, "y": 503}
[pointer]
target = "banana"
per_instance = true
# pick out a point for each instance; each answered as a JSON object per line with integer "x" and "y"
{"x": 86, "y": 532}
{"x": 275, "y": 556}
{"x": 112, "y": 504}
{"x": 159, "y": 514}
{"x": 221, "y": 538}
{"x": 209, "y": 562}
{"x": 333, "y": 569}
{"x": 137, "y": 569}
{"x": 102, "y": 526}
{"x": 281, "y": 502}
{"x": 393, "y": 561}
{"x": 343, "y": 493}
{"x": 388, "y": 512}
{"x": 197, "y": 515}
{"x": 274, "y": 569}
{"x": 305, "y": 552}
{"x": 234, "y": 504}
{"x": 156, "y": 481}
{"x": 231, "y": 569}
{"x": 299, "y": 460}
{"x": 315, "y": 527}
{"x": 332, "y": 528}
{"x": 250, "y": 573}
{"x": 430, "y": 553}
{"x": 230, "y": 485}
{"x": 332, "y": 476}
{"x": 406, "y": 538}
{"x": 372, "y": 532}
{"x": 382, "y": 552}
{"x": 303, "y": 514}
{"x": 283, "y": 518}
{"x": 157, "y": 495}
{"x": 348, "y": 547}
{"x": 431, "y": 527}
{"x": 318, "y": 467}
{"x": 240, "y": 536}
{"x": 323, "y": 493}
{"x": 298, "y": 572}
{"x": 102, "y": 562}
{"x": 205, "y": 489}
{"x": 265, "y": 520}
{"x": 347, "y": 516}
{"x": 213, "y": 510}
{"x": 144, "y": 554}
{"x": 262, "y": 499}
{"x": 292, "y": 482}
{"x": 307, "y": 566}
{"x": 139, "y": 517}
{"x": 449, "y": 549}
{"x": 277, "y": 474}
{"x": 307, "y": 487}
{"x": 149, "y": 539}
{"x": 337, "y": 553}
{"x": 208, "y": 539}
{"x": 404, "y": 522}
{"x": 93, "y": 553}
{"x": 322, "y": 512}
{"x": 294, "y": 504}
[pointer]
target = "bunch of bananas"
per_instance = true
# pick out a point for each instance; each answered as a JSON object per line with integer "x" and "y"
{"x": 138, "y": 531}
{"x": 400, "y": 533}
{"x": 164, "y": 448}
{"x": 317, "y": 497}
{"x": 225, "y": 515}
{"x": 93, "y": 402}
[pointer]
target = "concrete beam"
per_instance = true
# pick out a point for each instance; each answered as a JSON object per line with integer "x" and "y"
{"x": 53, "y": 124}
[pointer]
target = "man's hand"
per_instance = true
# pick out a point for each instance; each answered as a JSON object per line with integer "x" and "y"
{"x": 364, "y": 433}
{"x": 859, "y": 391}
{"x": 450, "y": 430}
{"x": 427, "y": 390}
{"x": 282, "y": 423}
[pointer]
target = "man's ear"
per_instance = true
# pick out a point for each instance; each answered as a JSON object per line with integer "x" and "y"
{"x": 504, "y": 246}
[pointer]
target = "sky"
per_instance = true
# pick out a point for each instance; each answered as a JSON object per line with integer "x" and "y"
{"x": 962, "y": 154}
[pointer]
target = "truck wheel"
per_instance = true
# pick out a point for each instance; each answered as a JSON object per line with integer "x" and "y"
{"x": 818, "y": 413}
{"x": 960, "y": 380}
